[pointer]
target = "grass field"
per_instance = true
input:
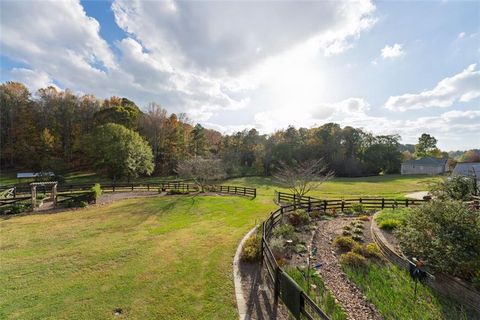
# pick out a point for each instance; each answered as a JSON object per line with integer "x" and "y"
{"x": 155, "y": 258}
{"x": 384, "y": 186}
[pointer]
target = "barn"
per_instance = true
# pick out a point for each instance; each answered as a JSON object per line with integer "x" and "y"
{"x": 467, "y": 169}
{"x": 427, "y": 165}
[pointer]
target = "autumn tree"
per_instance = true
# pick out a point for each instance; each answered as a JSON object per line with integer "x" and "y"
{"x": 202, "y": 171}
{"x": 119, "y": 152}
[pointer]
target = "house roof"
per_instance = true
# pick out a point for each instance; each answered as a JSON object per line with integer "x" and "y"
{"x": 467, "y": 169}
{"x": 427, "y": 161}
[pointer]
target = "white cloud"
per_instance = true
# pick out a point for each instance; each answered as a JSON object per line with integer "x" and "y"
{"x": 230, "y": 37}
{"x": 461, "y": 35}
{"x": 31, "y": 78}
{"x": 392, "y": 52}
{"x": 463, "y": 87}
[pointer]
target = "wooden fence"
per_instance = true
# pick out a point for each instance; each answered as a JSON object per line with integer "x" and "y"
{"x": 240, "y": 191}
{"x": 344, "y": 204}
{"x": 285, "y": 288}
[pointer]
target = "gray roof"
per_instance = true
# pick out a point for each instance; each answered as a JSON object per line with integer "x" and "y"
{"x": 467, "y": 169}
{"x": 22, "y": 175}
{"x": 427, "y": 161}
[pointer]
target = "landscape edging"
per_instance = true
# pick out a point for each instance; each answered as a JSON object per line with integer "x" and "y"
{"x": 237, "y": 279}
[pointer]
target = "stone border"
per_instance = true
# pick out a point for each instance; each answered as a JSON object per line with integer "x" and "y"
{"x": 444, "y": 284}
{"x": 237, "y": 279}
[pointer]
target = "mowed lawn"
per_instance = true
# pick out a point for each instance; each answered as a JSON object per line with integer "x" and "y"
{"x": 393, "y": 186}
{"x": 155, "y": 258}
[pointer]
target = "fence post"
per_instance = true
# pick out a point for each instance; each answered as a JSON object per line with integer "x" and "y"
{"x": 276, "y": 288}
{"x": 244, "y": 191}
{"x": 14, "y": 192}
{"x": 255, "y": 192}
{"x": 235, "y": 190}
{"x": 360, "y": 200}
{"x": 383, "y": 203}
{"x": 406, "y": 202}
{"x": 148, "y": 186}
{"x": 132, "y": 186}
{"x": 325, "y": 205}
{"x": 228, "y": 189}
{"x": 343, "y": 205}
{"x": 309, "y": 204}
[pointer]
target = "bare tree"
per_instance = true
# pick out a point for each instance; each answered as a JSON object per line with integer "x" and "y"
{"x": 201, "y": 170}
{"x": 302, "y": 177}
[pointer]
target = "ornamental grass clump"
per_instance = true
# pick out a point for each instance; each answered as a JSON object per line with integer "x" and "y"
{"x": 344, "y": 243}
{"x": 353, "y": 259}
{"x": 252, "y": 248}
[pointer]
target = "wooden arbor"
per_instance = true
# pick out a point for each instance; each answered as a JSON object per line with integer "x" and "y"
{"x": 34, "y": 186}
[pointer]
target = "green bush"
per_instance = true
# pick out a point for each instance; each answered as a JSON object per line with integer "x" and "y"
{"x": 347, "y": 227}
{"x": 358, "y": 207}
{"x": 19, "y": 208}
{"x": 346, "y": 233}
{"x": 251, "y": 250}
{"x": 277, "y": 246}
{"x": 300, "y": 248}
{"x": 298, "y": 218}
{"x": 344, "y": 243}
{"x": 353, "y": 259}
{"x": 285, "y": 231}
{"x": 392, "y": 214}
{"x": 389, "y": 224}
{"x": 175, "y": 192}
{"x": 358, "y": 231}
{"x": 364, "y": 217}
{"x": 446, "y": 235}
{"x": 455, "y": 188}
{"x": 96, "y": 191}
{"x": 358, "y": 224}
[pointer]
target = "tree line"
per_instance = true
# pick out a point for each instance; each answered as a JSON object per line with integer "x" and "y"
{"x": 54, "y": 130}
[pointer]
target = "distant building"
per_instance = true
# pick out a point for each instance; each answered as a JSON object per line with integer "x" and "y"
{"x": 427, "y": 165}
{"x": 467, "y": 169}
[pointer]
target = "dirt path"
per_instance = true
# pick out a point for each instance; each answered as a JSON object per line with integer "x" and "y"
{"x": 349, "y": 296}
{"x": 417, "y": 195}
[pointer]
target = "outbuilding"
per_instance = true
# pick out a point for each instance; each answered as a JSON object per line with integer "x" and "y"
{"x": 467, "y": 169}
{"x": 427, "y": 165}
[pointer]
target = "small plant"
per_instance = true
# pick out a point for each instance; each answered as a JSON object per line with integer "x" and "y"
{"x": 389, "y": 224}
{"x": 364, "y": 217}
{"x": 19, "y": 208}
{"x": 277, "y": 247}
{"x": 285, "y": 231}
{"x": 347, "y": 227}
{"x": 353, "y": 259}
{"x": 298, "y": 218}
{"x": 344, "y": 243}
{"x": 357, "y": 238}
{"x": 358, "y": 207}
{"x": 96, "y": 192}
{"x": 358, "y": 224}
{"x": 349, "y": 211}
{"x": 252, "y": 248}
{"x": 300, "y": 248}
{"x": 346, "y": 233}
{"x": 358, "y": 231}
{"x": 176, "y": 191}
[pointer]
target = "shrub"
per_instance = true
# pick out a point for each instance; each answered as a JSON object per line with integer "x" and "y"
{"x": 176, "y": 191}
{"x": 277, "y": 247}
{"x": 300, "y": 248}
{"x": 358, "y": 224}
{"x": 347, "y": 227}
{"x": 96, "y": 192}
{"x": 455, "y": 188}
{"x": 358, "y": 207}
{"x": 344, "y": 243}
{"x": 285, "y": 231}
{"x": 252, "y": 248}
{"x": 19, "y": 208}
{"x": 389, "y": 224}
{"x": 353, "y": 259}
{"x": 446, "y": 235}
{"x": 298, "y": 218}
{"x": 476, "y": 280}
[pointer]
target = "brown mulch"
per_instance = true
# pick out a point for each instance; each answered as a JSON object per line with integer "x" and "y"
{"x": 349, "y": 296}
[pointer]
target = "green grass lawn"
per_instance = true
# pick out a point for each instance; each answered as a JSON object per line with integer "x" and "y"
{"x": 384, "y": 186}
{"x": 391, "y": 290}
{"x": 156, "y": 258}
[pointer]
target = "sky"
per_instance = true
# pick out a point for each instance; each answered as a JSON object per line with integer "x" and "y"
{"x": 388, "y": 67}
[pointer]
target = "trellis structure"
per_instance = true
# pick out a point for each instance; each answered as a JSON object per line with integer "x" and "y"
{"x": 33, "y": 190}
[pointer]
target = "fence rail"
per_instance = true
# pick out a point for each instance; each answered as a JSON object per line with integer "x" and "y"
{"x": 237, "y": 190}
{"x": 344, "y": 204}
{"x": 285, "y": 288}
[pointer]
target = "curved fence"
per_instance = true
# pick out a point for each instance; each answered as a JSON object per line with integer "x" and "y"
{"x": 285, "y": 288}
